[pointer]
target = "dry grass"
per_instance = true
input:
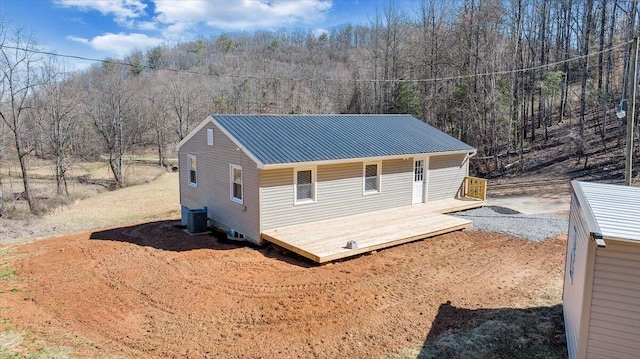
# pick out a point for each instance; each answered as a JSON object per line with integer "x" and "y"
{"x": 12, "y": 347}
{"x": 10, "y": 341}
{"x": 497, "y": 333}
{"x": 153, "y": 200}
{"x": 503, "y": 333}
{"x": 157, "y": 199}
{"x": 84, "y": 180}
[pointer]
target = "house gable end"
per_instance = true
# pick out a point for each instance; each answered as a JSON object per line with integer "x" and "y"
{"x": 211, "y": 119}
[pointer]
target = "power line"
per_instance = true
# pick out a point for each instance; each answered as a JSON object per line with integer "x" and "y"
{"x": 507, "y": 72}
{"x": 449, "y": 78}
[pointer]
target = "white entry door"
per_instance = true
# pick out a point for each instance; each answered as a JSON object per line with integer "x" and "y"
{"x": 418, "y": 180}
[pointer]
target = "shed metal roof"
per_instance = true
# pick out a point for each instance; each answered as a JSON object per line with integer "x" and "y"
{"x": 615, "y": 208}
{"x": 290, "y": 139}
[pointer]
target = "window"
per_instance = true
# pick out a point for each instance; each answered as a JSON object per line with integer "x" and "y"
{"x": 236, "y": 183}
{"x": 193, "y": 170}
{"x": 305, "y": 185}
{"x": 418, "y": 170}
{"x": 371, "y": 177}
{"x": 210, "y": 136}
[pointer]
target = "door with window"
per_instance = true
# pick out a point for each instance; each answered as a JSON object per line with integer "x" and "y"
{"x": 418, "y": 180}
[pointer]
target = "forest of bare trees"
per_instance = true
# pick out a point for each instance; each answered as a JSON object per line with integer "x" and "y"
{"x": 497, "y": 74}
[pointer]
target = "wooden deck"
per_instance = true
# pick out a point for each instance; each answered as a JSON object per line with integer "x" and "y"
{"x": 326, "y": 240}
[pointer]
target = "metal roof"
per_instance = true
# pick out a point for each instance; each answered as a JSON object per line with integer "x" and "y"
{"x": 615, "y": 208}
{"x": 286, "y": 139}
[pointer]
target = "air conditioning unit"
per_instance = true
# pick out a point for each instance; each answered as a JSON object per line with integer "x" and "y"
{"x": 197, "y": 220}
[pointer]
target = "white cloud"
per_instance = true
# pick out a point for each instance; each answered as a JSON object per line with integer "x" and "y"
{"x": 175, "y": 20}
{"x": 119, "y": 44}
{"x": 124, "y": 11}
{"x": 241, "y": 14}
{"x": 147, "y": 25}
{"x": 78, "y": 39}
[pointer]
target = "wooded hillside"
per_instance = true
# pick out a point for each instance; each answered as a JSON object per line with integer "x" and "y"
{"x": 500, "y": 75}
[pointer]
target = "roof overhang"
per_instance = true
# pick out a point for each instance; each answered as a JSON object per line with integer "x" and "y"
{"x": 362, "y": 159}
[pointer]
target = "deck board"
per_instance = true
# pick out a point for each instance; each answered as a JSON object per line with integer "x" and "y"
{"x": 326, "y": 240}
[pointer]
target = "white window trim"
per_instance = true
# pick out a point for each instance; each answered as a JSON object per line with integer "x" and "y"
{"x": 314, "y": 187}
{"x": 234, "y": 199}
{"x": 378, "y": 177}
{"x": 192, "y": 184}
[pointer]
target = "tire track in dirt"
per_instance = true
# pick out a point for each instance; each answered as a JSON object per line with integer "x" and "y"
{"x": 153, "y": 291}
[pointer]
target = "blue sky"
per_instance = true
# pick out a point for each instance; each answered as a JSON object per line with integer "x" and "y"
{"x": 112, "y": 28}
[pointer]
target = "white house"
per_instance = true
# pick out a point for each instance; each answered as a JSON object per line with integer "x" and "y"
{"x": 257, "y": 173}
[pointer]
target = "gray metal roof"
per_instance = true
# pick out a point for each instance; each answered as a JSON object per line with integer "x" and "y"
{"x": 615, "y": 208}
{"x": 283, "y": 139}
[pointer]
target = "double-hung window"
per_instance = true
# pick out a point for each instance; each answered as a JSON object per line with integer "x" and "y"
{"x": 371, "y": 174}
{"x": 305, "y": 185}
{"x": 193, "y": 170}
{"x": 235, "y": 174}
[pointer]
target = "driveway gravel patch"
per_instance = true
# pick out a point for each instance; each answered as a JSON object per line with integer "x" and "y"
{"x": 504, "y": 220}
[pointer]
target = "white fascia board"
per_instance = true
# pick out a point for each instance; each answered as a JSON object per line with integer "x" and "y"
{"x": 237, "y": 143}
{"x": 361, "y": 159}
{"x": 193, "y": 133}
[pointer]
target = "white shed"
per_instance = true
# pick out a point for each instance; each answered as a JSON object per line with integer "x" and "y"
{"x": 601, "y": 296}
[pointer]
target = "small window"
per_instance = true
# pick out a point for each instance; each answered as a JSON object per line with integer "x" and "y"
{"x": 418, "y": 170}
{"x": 305, "y": 185}
{"x": 210, "y": 136}
{"x": 236, "y": 183}
{"x": 193, "y": 170}
{"x": 371, "y": 178}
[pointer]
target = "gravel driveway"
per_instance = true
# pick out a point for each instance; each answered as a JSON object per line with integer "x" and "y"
{"x": 535, "y": 227}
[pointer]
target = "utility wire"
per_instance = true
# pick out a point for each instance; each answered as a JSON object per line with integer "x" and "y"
{"x": 459, "y": 77}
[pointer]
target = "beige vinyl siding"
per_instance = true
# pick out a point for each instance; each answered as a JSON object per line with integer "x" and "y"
{"x": 575, "y": 290}
{"x": 213, "y": 187}
{"x": 339, "y": 192}
{"x": 614, "y": 325}
{"x": 446, "y": 174}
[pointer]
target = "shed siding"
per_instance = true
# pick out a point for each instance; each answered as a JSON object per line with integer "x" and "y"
{"x": 575, "y": 289}
{"x": 213, "y": 187}
{"x": 446, "y": 174}
{"x": 339, "y": 192}
{"x": 614, "y": 325}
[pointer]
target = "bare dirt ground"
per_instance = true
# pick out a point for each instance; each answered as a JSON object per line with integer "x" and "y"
{"x": 134, "y": 285}
{"x": 151, "y": 291}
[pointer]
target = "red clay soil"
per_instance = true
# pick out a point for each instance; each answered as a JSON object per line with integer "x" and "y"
{"x": 152, "y": 291}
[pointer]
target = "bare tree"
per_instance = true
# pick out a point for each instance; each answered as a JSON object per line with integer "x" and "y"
{"x": 159, "y": 110}
{"x": 17, "y": 85}
{"x": 587, "y": 29}
{"x": 110, "y": 106}
{"x": 186, "y": 103}
{"x": 56, "y": 108}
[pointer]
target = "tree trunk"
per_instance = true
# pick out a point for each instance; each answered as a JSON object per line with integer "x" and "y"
{"x": 25, "y": 175}
{"x": 588, "y": 15}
